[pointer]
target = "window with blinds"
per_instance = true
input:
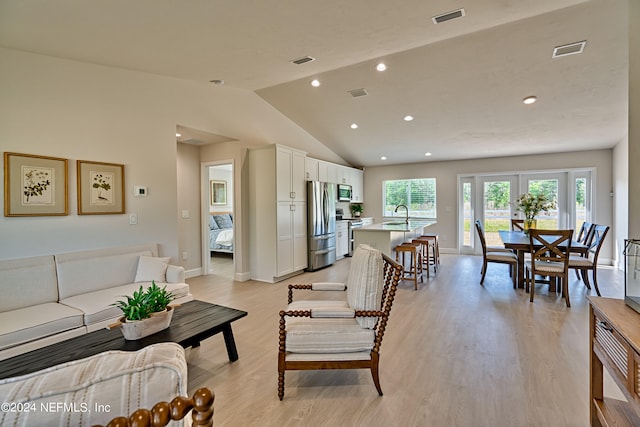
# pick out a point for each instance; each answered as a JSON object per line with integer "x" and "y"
{"x": 419, "y": 195}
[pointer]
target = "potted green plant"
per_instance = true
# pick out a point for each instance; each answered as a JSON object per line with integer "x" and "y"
{"x": 146, "y": 312}
{"x": 356, "y": 209}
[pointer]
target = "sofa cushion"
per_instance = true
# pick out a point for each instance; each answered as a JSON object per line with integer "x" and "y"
{"x": 223, "y": 220}
{"x": 97, "y": 307}
{"x": 35, "y": 322}
{"x": 123, "y": 380}
{"x": 88, "y": 271}
{"x": 365, "y": 282}
{"x": 152, "y": 268}
{"x": 27, "y": 281}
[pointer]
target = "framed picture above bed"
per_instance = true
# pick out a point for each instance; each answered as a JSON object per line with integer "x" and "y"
{"x": 218, "y": 192}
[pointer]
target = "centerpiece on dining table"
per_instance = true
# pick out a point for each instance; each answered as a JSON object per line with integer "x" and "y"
{"x": 531, "y": 205}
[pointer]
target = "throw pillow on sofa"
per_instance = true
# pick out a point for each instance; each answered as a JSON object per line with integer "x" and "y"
{"x": 152, "y": 268}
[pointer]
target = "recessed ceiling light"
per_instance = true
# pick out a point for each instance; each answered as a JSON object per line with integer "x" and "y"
{"x": 354, "y": 126}
{"x": 427, "y": 154}
{"x": 381, "y": 66}
{"x": 407, "y": 118}
{"x": 529, "y": 100}
{"x": 315, "y": 83}
{"x": 178, "y": 135}
{"x": 383, "y": 158}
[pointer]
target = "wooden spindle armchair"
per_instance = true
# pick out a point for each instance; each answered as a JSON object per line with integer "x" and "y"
{"x": 346, "y": 334}
{"x": 200, "y": 405}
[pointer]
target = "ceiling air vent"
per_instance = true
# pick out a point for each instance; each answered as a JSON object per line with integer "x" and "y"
{"x": 448, "y": 16}
{"x": 569, "y": 49}
{"x": 302, "y": 60}
{"x": 357, "y": 93}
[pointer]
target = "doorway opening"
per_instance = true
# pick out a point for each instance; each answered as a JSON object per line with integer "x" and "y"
{"x": 218, "y": 227}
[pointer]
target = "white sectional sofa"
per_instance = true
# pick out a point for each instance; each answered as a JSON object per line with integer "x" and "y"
{"x": 47, "y": 299}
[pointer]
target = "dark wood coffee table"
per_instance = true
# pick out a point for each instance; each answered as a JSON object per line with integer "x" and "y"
{"x": 192, "y": 322}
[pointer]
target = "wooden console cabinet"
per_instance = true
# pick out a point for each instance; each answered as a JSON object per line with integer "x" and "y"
{"x": 615, "y": 345}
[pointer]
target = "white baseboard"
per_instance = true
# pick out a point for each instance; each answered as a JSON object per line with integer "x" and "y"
{"x": 188, "y": 274}
{"x": 242, "y": 277}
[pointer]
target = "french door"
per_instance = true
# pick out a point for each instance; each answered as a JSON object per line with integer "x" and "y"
{"x": 554, "y": 186}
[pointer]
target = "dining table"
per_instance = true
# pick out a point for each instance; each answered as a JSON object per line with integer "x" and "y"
{"x": 519, "y": 242}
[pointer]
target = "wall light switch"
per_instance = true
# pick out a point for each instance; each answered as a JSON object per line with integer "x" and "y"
{"x": 133, "y": 219}
{"x": 185, "y": 214}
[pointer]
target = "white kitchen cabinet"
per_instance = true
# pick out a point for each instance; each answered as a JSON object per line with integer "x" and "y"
{"x": 319, "y": 170}
{"x": 277, "y": 213}
{"x": 357, "y": 186}
{"x": 311, "y": 169}
{"x": 342, "y": 239}
{"x": 290, "y": 174}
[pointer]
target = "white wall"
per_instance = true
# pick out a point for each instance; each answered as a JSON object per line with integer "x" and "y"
{"x": 79, "y": 111}
{"x": 634, "y": 119}
{"x": 446, "y": 177}
{"x": 620, "y": 199}
{"x": 189, "y": 236}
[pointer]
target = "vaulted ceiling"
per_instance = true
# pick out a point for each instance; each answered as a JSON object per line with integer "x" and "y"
{"x": 462, "y": 80}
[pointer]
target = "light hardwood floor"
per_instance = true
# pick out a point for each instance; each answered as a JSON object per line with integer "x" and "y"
{"x": 455, "y": 354}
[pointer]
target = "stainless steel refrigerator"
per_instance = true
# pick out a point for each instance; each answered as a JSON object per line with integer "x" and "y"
{"x": 321, "y": 215}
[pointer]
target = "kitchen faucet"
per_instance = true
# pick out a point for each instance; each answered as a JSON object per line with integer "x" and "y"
{"x": 406, "y": 219}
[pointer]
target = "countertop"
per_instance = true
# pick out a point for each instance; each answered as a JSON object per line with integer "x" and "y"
{"x": 400, "y": 226}
{"x": 353, "y": 219}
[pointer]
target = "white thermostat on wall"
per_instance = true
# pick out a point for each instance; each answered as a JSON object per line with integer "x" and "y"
{"x": 140, "y": 191}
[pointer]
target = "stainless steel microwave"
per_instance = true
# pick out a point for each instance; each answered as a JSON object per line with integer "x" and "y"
{"x": 344, "y": 193}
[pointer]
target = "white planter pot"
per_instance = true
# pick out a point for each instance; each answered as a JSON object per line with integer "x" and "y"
{"x": 136, "y": 329}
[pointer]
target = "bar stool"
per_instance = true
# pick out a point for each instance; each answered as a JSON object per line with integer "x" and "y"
{"x": 415, "y": 261}
{"x": 427, "y": 246}
{"x": 434, "y": 257}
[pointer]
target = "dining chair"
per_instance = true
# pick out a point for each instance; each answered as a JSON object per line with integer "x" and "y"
{"x": 550, "y": 251}
{"x": 584, "y": 237}
{"x": 589, "y": 261}
{"x": 496, "y": 255}
{"x": 517, "y": 225}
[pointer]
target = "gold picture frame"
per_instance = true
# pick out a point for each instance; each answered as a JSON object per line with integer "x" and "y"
{"x": 100, "y": 188}
{"x": 35, "y": 185}
{"x": 218, "y": 192}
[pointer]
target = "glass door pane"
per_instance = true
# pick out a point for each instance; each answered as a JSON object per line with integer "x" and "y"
{"x": 581, "y": 202}
{"x": 497, "y": 193}
{"x": 467, "y": 214}
{"x": 549, "y": 187}
{"x": 554, "y": 186}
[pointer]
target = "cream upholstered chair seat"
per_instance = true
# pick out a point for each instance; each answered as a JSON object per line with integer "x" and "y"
{"x": 344, "y": 333}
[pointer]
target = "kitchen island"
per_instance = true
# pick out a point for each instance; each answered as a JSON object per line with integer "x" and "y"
{"x": 387, "y": 235}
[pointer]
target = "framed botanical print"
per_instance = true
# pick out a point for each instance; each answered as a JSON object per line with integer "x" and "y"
{"x": 35, "y": 185}
{"x": 100, "y": 188}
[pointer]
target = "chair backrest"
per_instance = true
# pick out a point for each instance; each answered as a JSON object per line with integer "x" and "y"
{"x": 365, "y": 282}
{"x": 483, "y": 242}
{"x": 550, "y": 245}
{"x": 585, "y": 233}
{"x": 598, "y": 233}
{"x": 392, "y": 274}
{"x": 517, "y": 225}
